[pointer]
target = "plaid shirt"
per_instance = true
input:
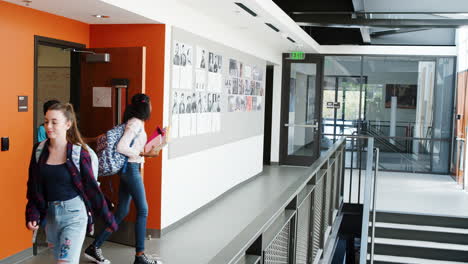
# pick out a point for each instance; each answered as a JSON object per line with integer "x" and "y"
{"x": 84, "y": 182}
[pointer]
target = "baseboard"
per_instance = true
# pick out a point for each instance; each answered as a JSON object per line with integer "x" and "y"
{"x": 21, "y": 256}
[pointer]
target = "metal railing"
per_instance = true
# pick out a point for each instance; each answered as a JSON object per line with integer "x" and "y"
{"x": 299, "y": 229}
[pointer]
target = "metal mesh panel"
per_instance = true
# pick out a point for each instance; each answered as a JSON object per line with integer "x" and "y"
{"x": 333, "y": 185}
{"x": 326, "y": 197}
{"x": 317, "y": 219}
{"x": 278, "y": 251}
{"x": 303, "y": 229}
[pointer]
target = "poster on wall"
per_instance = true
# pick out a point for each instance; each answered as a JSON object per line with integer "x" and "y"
{"x": 228, "y": 86}
{"x": 233, "y": 70}
{"x": 201, "y": 58}
{"x": 248, "y": 72}
{"x": 200, "y": 71}
{"x": 102, "y": 96}
{"x": 186, "y": 54}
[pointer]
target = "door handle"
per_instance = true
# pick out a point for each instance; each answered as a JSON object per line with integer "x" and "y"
{"x": 315, "y": 126}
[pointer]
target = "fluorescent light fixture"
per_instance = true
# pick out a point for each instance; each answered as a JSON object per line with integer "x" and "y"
{"x": 272, "y": 27}
{"x": 100, "y": 16}
{"x": 246, "y": 9}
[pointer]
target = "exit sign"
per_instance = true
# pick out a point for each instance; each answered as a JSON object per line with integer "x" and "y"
{"x": 297, "y": 55}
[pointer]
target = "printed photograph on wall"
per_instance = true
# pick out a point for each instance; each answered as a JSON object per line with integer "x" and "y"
{"x": 231, "y": 103}
{"x": 175, "y": 103}
{"x": 201, "y": 58}
{"x": 248, "y": 72}
{"x": 186, "y": 54}
{"x": 182, "y": 102}
{"x": 241, "y": 86}
{"x": 259, "y": 103}
{"x": 235, "y": 86}
{"x": 228, "y": 86}
{"x": 258, "y": 89}
{"x": 406, "y": 95}
{"x": 212, "y": 62}
{"x": 233, "y": 70}
{"x": 249, "y": 103}
{"x": 216, "y": 107}
{"x": 253, "y": 89}
{"x": 254, "y": 103}
{"x": 177, "y": 54}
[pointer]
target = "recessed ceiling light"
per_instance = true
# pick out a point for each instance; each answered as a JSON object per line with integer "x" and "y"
{"x": 101, "y": 16}
{"x": 27, "y": 2}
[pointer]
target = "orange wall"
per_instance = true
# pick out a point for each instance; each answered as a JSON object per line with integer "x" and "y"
{"x": 153, "y": 38}
{"x": 18, "y": 25}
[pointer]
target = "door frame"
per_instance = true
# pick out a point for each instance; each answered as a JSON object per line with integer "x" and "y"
{"x": 284, "y": 158}
{"x": 75, "y": 72}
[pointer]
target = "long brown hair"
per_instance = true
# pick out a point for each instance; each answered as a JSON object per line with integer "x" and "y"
{"x": 73, "y": 134}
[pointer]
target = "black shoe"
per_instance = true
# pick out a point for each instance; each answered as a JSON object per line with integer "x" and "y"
{"x": 95, "y": 255}
{"x": 143, "y": 259}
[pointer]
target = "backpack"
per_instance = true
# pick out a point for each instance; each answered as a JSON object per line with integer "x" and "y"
{"x": 111, "y": 161}
{"x": 76, "y": 153}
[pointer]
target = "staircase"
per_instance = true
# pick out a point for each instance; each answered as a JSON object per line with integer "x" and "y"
{"x": 419, "y": 239}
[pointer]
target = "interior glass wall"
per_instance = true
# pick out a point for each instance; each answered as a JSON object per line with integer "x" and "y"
{"x": 406, "y": 103}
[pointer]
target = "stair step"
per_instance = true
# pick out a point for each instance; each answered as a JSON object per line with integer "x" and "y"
{"x": 421, "y": 244}
{"x": 420, "y": 249}
{"x": 421, "y": 233}
{"x": 422, "y": 228}
{"x": 396, "y": 259}
{"x": 422, "y": 219}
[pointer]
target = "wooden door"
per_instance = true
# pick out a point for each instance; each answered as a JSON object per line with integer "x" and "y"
{"x": 461, "y": 124}
{"x": 128, "y": 64}
{"x": 125, "y": 63}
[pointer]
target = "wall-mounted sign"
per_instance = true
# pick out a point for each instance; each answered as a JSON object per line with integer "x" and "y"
{"x": 333, "y": 105}
{"x": 297, "y": 55}
{"x": 22, "y": 103}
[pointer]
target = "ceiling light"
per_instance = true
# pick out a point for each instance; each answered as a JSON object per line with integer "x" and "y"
{"x": 101, "y": 16}
{"x": 292, "y": 40}
{"x": 246, "y": 9}
{"x": 272, "y": 27}
{"x": 27, "y": 2}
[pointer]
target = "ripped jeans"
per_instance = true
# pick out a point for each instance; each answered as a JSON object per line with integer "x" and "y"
{"x": 66, "y": 228}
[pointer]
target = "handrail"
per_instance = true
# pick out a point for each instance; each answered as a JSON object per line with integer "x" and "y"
{"x": 374, "y": 204}
{"x": 367, "y": 201}
{"x": 236, "y": 248}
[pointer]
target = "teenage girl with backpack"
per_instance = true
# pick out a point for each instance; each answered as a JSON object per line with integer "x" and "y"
{"x": 131, "y": 186}
{"x": 59, "y": 191}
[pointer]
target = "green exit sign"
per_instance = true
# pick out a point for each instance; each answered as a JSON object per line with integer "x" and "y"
{"x": 297, "y": 55}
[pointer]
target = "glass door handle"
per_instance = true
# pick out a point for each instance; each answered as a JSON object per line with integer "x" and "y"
{"x": 302, "y": 125}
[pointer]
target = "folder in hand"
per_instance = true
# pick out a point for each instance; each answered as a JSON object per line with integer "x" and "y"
{"x": 157, "y": 140}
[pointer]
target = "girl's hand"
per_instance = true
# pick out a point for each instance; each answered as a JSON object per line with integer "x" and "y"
{"x": 154, "y": 152}
{"x": 32, "y": 225}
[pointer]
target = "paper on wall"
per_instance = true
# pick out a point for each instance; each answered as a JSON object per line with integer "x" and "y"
{"x": 102, "y": 96}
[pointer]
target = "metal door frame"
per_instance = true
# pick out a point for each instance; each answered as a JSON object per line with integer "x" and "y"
{"x": 284, "y": 158}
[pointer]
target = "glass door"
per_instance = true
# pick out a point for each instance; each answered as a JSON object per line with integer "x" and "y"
{"x": 301, "y": 111}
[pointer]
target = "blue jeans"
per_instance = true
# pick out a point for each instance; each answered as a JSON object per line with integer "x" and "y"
{"x": 131, "y": 186}
{"x": 66, "y": 228}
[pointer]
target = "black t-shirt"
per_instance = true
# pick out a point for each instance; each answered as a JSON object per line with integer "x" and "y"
{"x": 57, "y": 182}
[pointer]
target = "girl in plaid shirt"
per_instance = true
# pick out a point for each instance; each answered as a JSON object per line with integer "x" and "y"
{"x": 61, "y": 192}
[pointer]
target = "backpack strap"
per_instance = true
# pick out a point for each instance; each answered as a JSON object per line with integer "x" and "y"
{"x": 39, "y": 149}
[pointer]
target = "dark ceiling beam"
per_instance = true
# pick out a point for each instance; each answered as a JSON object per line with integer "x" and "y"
{"x": 347, "y": 22}
{"x": 395, "y": 31}
{"x": 372, "y": 13}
